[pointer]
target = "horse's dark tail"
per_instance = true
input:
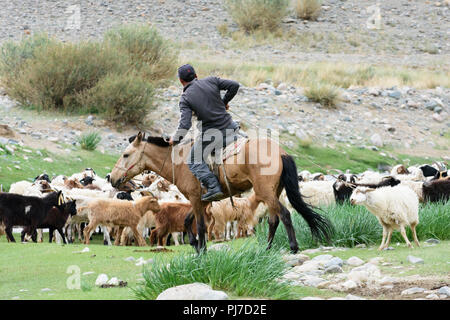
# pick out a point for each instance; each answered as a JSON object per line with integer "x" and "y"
{"x": 321, "y": 227}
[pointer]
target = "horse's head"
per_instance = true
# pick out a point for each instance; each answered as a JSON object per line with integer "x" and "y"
{"x": 130, "y": 163}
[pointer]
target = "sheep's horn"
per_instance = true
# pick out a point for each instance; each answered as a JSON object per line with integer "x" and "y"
{"x": 386, "y": 177}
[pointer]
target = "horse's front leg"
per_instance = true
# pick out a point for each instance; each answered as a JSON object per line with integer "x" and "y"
{"x": 201, "y": 231}
{"x": 188, "y": 226}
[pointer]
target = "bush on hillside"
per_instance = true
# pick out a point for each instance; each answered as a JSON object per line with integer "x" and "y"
{"x": 308, "y": 9}
{"x": 121, "y": 99}
{"x": 113, "y": 78}
{"x": 149, "y": 52}
{"x": 252, "y": 15}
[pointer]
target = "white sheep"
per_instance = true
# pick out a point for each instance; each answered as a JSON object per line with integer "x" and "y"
{"x": 317, "y": 193}
{"x": 394, "y": 207}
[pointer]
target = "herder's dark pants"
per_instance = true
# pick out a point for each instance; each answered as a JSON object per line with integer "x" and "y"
{"x": 209, "y": 141}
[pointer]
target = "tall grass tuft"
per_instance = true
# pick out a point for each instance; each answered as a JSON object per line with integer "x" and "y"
{"x": 89, "y": 141}
{"x": 325, "y": 94}
{"x": 308, "y": 9}
{"x": 250, "y": 270}
{"x": 252, "y": 15}
{"x": 355, "y": 225}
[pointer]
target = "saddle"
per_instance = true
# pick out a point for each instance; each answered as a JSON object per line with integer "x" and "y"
{"x": 230, "y": 150}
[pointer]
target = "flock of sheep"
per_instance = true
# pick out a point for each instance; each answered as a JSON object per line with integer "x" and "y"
{"x": 150, "y": 207}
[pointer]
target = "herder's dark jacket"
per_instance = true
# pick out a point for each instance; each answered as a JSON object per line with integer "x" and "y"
{"x": 202, "y": 97}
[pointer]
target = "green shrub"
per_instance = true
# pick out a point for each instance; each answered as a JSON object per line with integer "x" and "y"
{"x": 355, "y": 225}
{"x": 112, "y": 78}
{"x": 251, "y": 15}
{"x": 250, "y": 270}
{"x": 123, "y": 99}
{"x": 14, "y": 54}
{"x": 150, "y": 53}
{"x": 58, "y": 72}
{"x": 89, "y": 141}
{"x": 308, "y": 9}
{"x": 325, "y": 94}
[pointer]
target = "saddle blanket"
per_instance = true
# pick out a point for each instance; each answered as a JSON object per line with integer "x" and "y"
{"x": 230, "y": 150}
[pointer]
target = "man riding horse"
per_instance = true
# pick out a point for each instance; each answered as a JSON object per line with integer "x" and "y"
{"x": 202, "y": 97}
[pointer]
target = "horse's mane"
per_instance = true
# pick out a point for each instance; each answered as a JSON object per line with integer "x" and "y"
{"x": 159, "y": 141}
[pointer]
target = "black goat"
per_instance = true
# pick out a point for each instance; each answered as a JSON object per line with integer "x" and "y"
{"x": 122, "y": 195}
{"x": 87, "y": 180}
{"x": 18, "y": 210}
{"x": 55, "y": 220}
{"x": 436, "y": 190}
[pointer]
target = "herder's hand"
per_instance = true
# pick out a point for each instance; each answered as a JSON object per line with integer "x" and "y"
{"x": 227, "y": 107}
{"x": 171, "y": 141}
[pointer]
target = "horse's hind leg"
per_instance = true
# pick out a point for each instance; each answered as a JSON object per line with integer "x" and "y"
{"x": 285, "y": 216}
{"x": 273, "y": 225}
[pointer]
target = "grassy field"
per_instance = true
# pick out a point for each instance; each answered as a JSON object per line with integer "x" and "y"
{"x": 30, "y": 162}
{"x": 307, "y": 156}
{"x": 33, "y": 267}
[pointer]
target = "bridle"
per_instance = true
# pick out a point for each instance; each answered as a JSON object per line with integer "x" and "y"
{"x": 141, "y": 167}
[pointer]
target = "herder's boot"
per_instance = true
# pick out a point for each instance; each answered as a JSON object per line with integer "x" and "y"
{"x": 214, "y": 191}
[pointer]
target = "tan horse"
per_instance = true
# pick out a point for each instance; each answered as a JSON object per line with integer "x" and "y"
{"x": 261, "y": 164}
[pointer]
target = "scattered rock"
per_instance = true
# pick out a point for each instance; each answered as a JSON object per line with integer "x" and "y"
{"x": 335, "y": 261}
{"x": 414, "y": 260}
{"x": 130, "y": 259}
{"x": 46, "y": 289}
{"x": 113, "y": 281}
{"x": 101, "y": 279}
{"x": 334, "y": 269}
{"x": 354, "y": 261}
{"x": 444, "y": 290}
{"x": 412, "y": 291}
{"x": 376, "y": 140}
{"x": 352, "y": 297}
{"x": 311, "y": 298}
{"x": 193, "y": 291}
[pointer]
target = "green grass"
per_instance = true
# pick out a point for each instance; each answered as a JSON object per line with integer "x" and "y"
{"x": 355, "y": 225}
{"x": 308, "y": 155}
{"x": 42, "y": 265}
{"x": 64, "y": 163}
{"x": 249, "y": 270}
{"x": 45, "y": 266}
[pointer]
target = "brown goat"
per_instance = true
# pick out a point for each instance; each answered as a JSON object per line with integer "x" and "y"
{"x": 222, "y": 212}
{"x": 73, "y": 183}
{"x": 114, "y": 212}
{"x": 170, "y": 219}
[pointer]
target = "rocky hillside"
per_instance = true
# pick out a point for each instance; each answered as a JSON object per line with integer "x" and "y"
{"x": 413, "y": 33}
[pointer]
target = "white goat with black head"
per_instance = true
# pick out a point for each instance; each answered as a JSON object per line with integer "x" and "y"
{"x": 394, "y": 207}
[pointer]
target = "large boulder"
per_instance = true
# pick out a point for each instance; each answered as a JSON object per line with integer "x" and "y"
{"x": 192, "y": 291}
